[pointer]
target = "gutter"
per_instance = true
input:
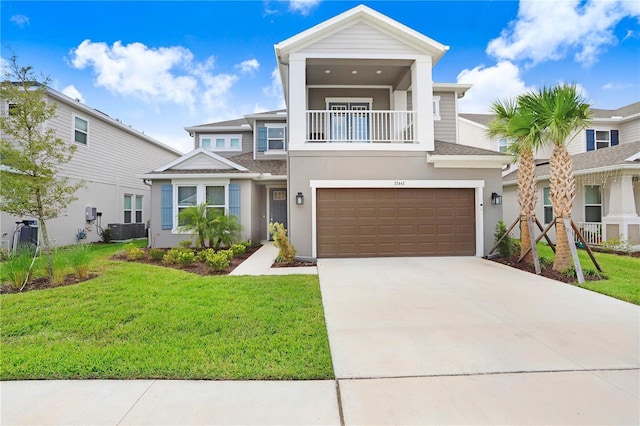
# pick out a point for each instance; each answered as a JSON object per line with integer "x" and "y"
{"x": 584, "y": 172}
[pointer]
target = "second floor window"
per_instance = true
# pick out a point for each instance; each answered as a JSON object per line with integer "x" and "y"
{"x": 599, "y": 139}
{"x": 221, "y": 142}
{"x": 81, "y": 130}
{"x": 272, "y": 137}
{"x": 275, "y": 137}
{"x": 502, "y": 145}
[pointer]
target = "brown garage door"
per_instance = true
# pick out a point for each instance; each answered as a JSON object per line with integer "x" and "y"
{"x": 379, "y": 222}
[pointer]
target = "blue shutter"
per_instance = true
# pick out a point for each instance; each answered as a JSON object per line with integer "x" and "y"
{"x": 591, "y": 140}
{"x": 614, "y": 138}
{"x": 234, "y": 200}
{"x": 262, "y": 139}
{"x": 166, "y": 206}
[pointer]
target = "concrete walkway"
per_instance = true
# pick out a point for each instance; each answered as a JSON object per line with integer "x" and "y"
{"x": 412, "y": 342}
{"x": 259, "y": 263}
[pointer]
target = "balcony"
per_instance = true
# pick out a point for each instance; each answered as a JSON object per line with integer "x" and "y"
{"x": 364, "y": 126}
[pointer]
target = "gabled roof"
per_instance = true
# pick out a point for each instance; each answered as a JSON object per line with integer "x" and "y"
{"x": 361, "y": 13}
{"x": 615, "y": 157}
{"x": 482, "y": 119}
{"x": 238, "y": 124}
{"x": 218, "y": 162}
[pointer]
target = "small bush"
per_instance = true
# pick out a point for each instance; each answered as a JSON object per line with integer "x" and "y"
{"x": 247, "y": 244}
{"x": 59, "y": 262}
{"x": 156, "y": 254}
{"x": 569, "y": 272}
{"x": 228, "y": 253}
{"x": 203, "y": 254}
{"x": 218, "y": 261}
{"x": 186, "y": 257}
{"x": 4, "y": 254}
{"x": 508, "y": 245}
{"x": 185, "y": 243}
{"x": 134, "y": 253}
{"x": 17, "y": 267}
{"x": 545, "y": 263}
{"x": 105, "y": 233}
{"x": 238, "y": 249}
{"x": 615, "y": 244}
{"x": 175, "y": 256}
{"x": 80, "y": 258}
{"x": 286, "y": 253}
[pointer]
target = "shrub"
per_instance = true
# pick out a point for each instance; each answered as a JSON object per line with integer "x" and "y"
{"x": 156, "y": 254}
{"x": 177, "y": 256}
{"x": 203, "y": 254}
{"x": 218, "y": 261}
{"x": 185, "y": 244}
{"x": 545, "y": 263}
{"x": 615, "y": 244}
{"x": 105, "y": 233}
{"x": 286, "y": 252}
{"x": 238, "y": 249}
{"x": 186, "y": 257}
{"x": 134, "y": 253}
{"x": 18, "y": 265}
{"x": 228, "y": 253}
{"x": 79, "y": 258}
{"x": 59, "y": 263}
{"x": 508, "y": 245}
{"x": 225, "y": 230}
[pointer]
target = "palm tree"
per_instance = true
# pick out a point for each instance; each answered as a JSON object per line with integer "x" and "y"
{"x": 198, "y": 220}
{"x": 518, "y": 124}
{"x": 562, "y": 112}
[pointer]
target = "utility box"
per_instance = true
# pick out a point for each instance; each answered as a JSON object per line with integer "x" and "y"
{"x": 90, "y": 213}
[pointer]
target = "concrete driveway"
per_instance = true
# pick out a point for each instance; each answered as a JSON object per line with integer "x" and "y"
{"x": 469, "y": 341}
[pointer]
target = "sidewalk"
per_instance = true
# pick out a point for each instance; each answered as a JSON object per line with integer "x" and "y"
{"x": 259, "y": 263}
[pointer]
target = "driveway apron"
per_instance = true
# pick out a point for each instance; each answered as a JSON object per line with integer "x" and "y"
{"x": 466, "y": 340}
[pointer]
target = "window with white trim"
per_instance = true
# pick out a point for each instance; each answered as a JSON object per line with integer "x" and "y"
{"x": 80, "y": 130}
{"x": 187, "y": 197}
{"x": 138, "y": 209}
{"x": 603, "y": 139}
{"x": 214, "y": 195}
{"x": 276, "y": 136}
{"x": 547, "y": 206}
{"x": 127, "y": 208}
{"x": 436, "y": 107}
{"x": 592, "y": 204}
{"x": 221, "y": 142}
{"x": 215, "y": 199}
{"x": 502, "y": 144}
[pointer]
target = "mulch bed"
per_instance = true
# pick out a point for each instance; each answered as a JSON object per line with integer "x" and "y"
{"x": 44, "y": 283}
{"x": 545, "y": 272}
{"x": 295, "y": 264}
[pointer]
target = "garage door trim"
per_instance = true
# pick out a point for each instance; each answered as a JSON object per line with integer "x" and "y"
{"x": 478, "y": 185}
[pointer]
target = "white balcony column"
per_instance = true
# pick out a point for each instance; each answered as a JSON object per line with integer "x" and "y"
{"x": 422, "y": 88}
{"x": 297, "y": 107}
{"x": 622, "y": 206}
{"x": 399, "y": 103}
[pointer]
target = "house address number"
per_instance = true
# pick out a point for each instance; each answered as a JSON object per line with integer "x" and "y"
{"x": 398, "y": 183}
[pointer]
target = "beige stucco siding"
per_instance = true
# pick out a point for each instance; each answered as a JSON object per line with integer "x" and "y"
{"x": 445, "y": 128}
{"x": 307, "y": 166}
{"x": 360, "y": 38}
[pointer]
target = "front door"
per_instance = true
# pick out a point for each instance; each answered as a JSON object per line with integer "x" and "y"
{"x": 347, "y": 124}
{"x": 278, "y": 206}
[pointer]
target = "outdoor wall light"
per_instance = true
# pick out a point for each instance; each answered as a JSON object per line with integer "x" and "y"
{"x": 496, "y": 199}
{"x": 299, "y": 199}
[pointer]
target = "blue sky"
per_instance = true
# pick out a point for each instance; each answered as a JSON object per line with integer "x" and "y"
{"x": 163, "y": 65}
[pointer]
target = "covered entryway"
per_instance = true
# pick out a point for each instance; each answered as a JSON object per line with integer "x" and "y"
{"x": 387, "y": 222}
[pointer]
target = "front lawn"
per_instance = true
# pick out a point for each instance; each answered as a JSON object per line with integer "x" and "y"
{"x": 622, "y": 272}
{"x": 140, "y": 321}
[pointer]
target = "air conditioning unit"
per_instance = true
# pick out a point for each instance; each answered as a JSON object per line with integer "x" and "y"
{"x": 120, "y": 231}
{"x": 138, "y": 230}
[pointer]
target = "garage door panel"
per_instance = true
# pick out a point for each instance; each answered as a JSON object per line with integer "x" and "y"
{"x": 367, "y": 222}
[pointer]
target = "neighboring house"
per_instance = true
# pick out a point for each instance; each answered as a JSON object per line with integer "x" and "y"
{"x": 109, "y": 154}
{"x": 365, "y": 162}
{"x": 606, "y": 159}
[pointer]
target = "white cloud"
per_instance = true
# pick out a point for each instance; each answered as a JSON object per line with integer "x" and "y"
{"x": 303, "y": 7}
{"x": 249, "y": 66}
{"x": 74, "y": 93}
{"x": 274, "y": 90}
{"x": 20, "y": 20}
{"x": 617, "y": 86}
{"x": 500, "y": 81}
{"x": 546, "y": 31}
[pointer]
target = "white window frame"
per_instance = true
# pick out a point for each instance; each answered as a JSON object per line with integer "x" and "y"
{"x": 125, "y": 209}
{"x": 592, "y": 205}
{"x": 284, "y": 139}
{"x": 503, "y": 143}
{"x": 74, "y": 129}
{"x": 436, "y": 108}
{"x": 596, "y": 141}
{"x": 546, "y": 206}
{"x": 227, "y": 142}
{"x": 200, "y": 196}
{"x": 138, "y": 210}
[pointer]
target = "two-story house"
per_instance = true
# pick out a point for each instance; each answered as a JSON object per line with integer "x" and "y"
{"x": 606, "y": 159}
{"x": 108, "y": 157}
{"x": 365, "y": 161}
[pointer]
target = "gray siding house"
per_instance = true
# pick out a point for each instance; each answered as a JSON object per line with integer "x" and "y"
{"x": 365, "y": 161}
{"x": 109, "y": 155}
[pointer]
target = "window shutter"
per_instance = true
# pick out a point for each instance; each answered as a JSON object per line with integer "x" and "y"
{"x": 591, "y": 140}
{"x": 234, "y": 200}
{"x": 614, "y": 138}
{"x": 262, "y": 139}
{"x": 166, "y": 206}
{"x": 286, "y": 139}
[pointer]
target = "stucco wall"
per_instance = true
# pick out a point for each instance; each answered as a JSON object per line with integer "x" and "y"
{"x": 307, "y": 166}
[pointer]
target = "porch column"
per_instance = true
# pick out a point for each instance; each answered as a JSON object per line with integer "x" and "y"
{"x": 399, "y": 103}
{"x": 297, "y": 107}
{"x": 422, "y": 88}
{"x": 622, "y": 209}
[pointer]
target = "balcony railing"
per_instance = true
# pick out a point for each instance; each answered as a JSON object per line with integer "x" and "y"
{"x": 591, "y": 232}
{"x": 361, "y": 126}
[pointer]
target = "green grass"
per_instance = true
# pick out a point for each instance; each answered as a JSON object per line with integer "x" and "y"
{"x": 623, "y": 280}
{"x": 142, "y": 321}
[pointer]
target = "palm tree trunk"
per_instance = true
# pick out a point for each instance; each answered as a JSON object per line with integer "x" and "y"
{"x": 562, "y": 184}
{"x": 527, "y": 198}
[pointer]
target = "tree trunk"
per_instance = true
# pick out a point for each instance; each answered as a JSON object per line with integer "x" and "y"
{"x": 527, "y": 198}
{"x": 46, "y": 247}
{"x": 562, "y": 185}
